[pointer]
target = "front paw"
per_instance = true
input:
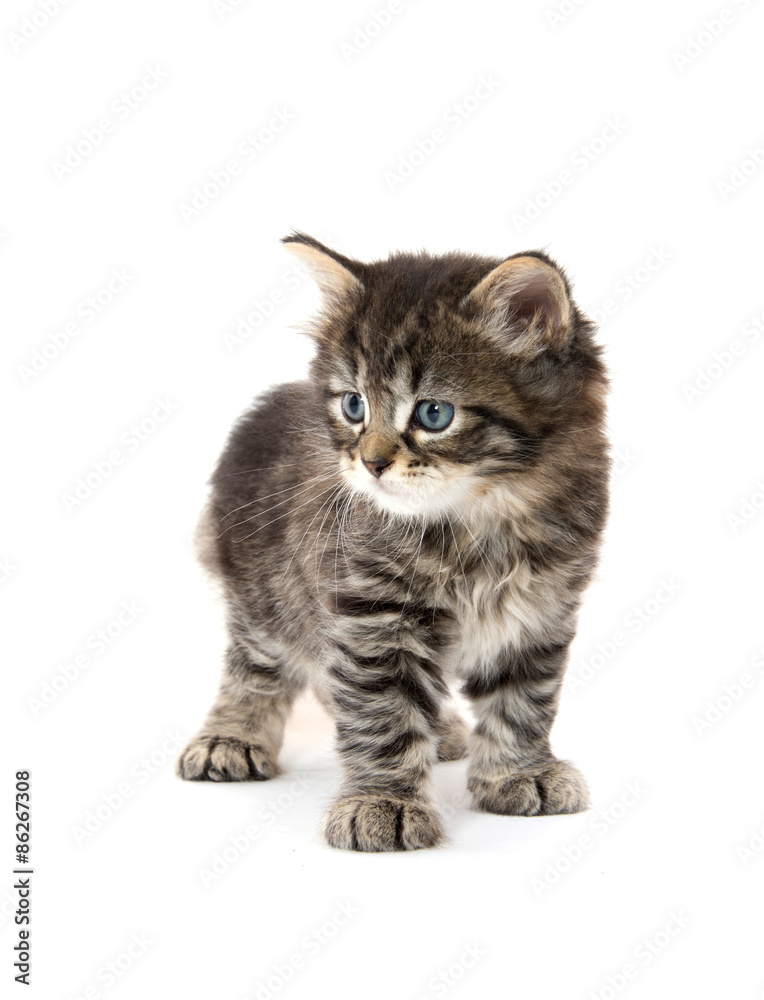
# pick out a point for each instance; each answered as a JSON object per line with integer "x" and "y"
{"x": 548, "y": 790}
{"x": 382, "y": 823}
{"x": 225, "y": 758}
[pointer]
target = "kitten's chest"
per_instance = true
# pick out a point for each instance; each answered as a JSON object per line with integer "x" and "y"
{"x": 494, "y": 612}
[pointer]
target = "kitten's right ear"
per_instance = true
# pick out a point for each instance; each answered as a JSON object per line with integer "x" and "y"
{"x": 338, "y": 277}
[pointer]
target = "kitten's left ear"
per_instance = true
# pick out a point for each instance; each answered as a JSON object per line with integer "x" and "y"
{"x": 529, "y": 297}
{"x": 338, "y": 277}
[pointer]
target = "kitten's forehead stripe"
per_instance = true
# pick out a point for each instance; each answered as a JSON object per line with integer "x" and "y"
{"x": 351, "y": 341}
{"x": 402, "y": 417}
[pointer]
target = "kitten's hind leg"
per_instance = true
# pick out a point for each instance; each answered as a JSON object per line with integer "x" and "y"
{"x": 452, "y": 733}
{"x": 242, "y": 735}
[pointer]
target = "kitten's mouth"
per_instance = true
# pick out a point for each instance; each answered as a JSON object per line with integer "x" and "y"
{"x": 392, "y": 489}
{"x": 395, "y": 490}
{"x": 392, "y": 495}
{"x": 396, "y": 496}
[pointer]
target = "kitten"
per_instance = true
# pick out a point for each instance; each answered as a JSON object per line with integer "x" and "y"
{"x": 427, "y": 505}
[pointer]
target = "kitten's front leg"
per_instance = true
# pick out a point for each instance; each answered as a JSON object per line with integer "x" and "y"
{"x": 242, "y": 735}
{"x": 512, "y": 769}
{"x": 387, "y": 709}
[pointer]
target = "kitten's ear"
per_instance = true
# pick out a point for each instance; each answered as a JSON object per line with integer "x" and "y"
{"x": 528, "y": 296}
{"x": 338, "y": 277}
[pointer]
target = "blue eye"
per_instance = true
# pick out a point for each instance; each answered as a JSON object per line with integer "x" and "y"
{"x": 353, "y": 407}
{"x": 434, "y": 415}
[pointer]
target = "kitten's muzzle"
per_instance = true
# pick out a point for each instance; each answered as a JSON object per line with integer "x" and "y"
{"x": 377, "y": 465}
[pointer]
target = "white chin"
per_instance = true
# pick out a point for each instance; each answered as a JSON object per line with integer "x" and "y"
{"x": 394, "y": 498}
{"x": 397, "y": 504}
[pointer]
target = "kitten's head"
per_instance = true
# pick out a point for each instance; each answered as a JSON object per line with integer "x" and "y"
{"x": 454, "y": 380}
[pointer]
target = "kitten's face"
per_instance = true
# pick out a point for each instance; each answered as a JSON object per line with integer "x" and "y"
{"x": 420, "y": 429}
{"x": 448, "y": 378}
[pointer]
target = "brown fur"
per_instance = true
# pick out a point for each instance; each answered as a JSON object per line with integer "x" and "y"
{"x": 376, "y": 559}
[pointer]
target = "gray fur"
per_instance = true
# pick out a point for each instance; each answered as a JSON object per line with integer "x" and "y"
{"x": 464, "y": 559}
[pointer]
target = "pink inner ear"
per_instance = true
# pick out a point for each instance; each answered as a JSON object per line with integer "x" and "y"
{"x": 535, "y": 296}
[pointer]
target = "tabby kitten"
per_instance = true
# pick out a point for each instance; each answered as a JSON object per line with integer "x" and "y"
{"x": 426, "y": 506}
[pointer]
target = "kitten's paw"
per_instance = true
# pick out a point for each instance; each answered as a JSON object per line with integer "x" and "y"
{"x": 379, "y": 823}
{"x": 453, "y": 733}
{"x": 554, "y": 788}
{"x": 225, "y": 758}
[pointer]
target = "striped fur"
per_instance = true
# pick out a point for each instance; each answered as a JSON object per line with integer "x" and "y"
{"x": 464, "y": 558}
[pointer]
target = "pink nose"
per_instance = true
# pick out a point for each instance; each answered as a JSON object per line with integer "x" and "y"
{"x": 377, "y": 465}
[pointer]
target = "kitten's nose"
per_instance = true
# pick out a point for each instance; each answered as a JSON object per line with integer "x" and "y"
{"x": 377, "y": 465}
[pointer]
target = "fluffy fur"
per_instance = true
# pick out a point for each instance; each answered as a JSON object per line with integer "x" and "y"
{"x": 377, "y": 560}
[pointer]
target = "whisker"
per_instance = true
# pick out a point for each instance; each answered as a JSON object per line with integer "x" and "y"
{"x": 480, "y": 550}
{"x": 458, "y": 553}
{"x": 279, "y": 504}
{"x": 484, "y": 502}
{"x": 264, "y": 468}
{"x": 442, "y": 548}
{"x": 297, "y": 547}
{"x": 286, "y": 514}
{"x": 327, "y": 503}
{"x": 336, "y": 554}
{"x": 320, "y": 560}
{"x": 275, "y": 494}
{"x": 413, "y": 574}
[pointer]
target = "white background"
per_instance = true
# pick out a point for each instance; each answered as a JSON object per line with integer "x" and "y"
{"x": 552, "y": 907}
